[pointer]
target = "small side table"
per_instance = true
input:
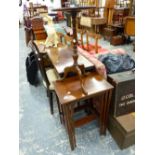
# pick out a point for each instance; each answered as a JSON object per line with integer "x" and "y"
{"x": 69, "y": 92}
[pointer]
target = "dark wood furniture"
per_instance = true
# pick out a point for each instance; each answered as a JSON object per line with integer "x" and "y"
{"x": 76, "y": 68}
{"x": 62, "y": 58}
{"x": 69, "y": 92}
{"x": 119, "y": 14}
{"x": 48, "y": 75}
{"x": 38, "y": 28}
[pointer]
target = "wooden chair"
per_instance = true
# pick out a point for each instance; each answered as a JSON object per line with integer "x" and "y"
{"x": 38, "y": 28}
{"x": 95, "y": 46}
{"x": 48, "y": 75}
{"x": 81, "y": 33}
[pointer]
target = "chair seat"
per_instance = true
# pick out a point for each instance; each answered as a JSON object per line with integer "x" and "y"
{"x": 51, "y": 75}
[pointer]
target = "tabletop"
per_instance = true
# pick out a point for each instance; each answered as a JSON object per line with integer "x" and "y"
{"x": 61, "y": 58}
{"x": 70, "y": 90}
{"x": 72, "y": 9}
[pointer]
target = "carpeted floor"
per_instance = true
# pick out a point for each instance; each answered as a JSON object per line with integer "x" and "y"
{"x": 42, "y": 134}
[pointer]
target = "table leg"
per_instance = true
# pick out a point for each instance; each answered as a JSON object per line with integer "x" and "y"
{"x": 101, "y": 117}
{"x": 105, "y": 103}
{"x": 69, "y": 123}
{"x": 108, "y": 100}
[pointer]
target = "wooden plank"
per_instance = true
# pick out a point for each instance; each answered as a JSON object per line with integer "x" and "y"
{"x": 85, "y": 120}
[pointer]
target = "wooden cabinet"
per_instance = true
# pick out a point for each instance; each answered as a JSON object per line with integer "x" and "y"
{"x": 119, "y": 14}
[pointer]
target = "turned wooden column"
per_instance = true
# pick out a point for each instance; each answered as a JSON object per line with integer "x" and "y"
{"x": 75, "y": 55}
{"x": 76, "y": 68}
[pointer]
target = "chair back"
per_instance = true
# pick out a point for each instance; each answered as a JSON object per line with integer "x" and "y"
{"x": 80, "y": 41}
{"x": 37, "y": 23}
{"x": 39, "y": 57}
{"x": 95, "y": 37}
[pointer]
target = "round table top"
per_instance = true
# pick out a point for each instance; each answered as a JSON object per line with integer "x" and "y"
{"x": 72, "y": 9}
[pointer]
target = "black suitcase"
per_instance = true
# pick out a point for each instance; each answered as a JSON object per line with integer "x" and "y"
{"x": 31, "y": 69}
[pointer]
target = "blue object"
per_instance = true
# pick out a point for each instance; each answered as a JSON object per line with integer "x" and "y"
{"x": 117, "y": 63}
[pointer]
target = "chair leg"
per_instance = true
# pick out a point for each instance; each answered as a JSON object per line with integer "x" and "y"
{"x": 50, "y": 96}
{"x": 60, "y": 110}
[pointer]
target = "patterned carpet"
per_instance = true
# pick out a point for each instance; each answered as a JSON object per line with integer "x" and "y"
{"x": 42, "y": 134}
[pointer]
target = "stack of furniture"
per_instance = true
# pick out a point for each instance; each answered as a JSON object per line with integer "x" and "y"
{"x": 76, "y": 85}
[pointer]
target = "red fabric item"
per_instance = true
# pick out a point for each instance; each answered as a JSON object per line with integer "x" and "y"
{"x": 91, "y": 56}
{"x": 91, "y": 49}
{"x": 100, "y": 67}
